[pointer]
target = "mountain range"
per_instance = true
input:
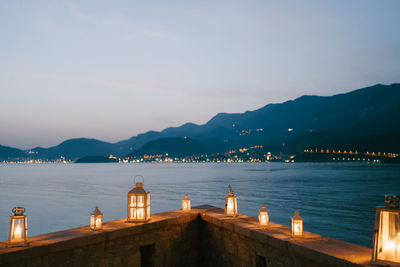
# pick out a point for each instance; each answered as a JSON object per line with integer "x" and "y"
{"x": 364, "y": 119}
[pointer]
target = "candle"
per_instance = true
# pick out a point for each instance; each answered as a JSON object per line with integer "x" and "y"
{"x": 230, "y": 205}
{"x": 17, "y": 233}
{"x": 98, "y": 223}
{"x": 263, "y": 219}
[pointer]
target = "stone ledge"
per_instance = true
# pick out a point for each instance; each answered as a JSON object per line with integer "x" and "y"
{"x": 83, "y": 236}
{"x": 316, "y": 248}
{"x": 313, "y": 246}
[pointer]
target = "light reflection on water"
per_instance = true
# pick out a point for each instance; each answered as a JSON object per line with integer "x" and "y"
{"x": 335, "y": 200}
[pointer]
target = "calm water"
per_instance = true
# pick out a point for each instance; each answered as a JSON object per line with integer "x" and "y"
{"x": 335, "y": 200}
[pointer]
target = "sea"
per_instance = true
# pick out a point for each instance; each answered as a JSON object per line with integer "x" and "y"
{"x": 337, "y": 200}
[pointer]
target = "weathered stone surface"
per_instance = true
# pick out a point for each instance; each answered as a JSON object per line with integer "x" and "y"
{"x": 202, "y": 237}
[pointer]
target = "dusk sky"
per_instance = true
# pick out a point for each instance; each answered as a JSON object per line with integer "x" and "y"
{"x": 112, "y": 69}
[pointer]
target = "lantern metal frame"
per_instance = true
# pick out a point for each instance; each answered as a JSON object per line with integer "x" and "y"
{"x": 95, "y": 216}
{"x": 186, "y": 205}
{"x": 138, "y": 203}
{"x": 19, "y": 218}
{"x": 297, "y": 221}
{"x": 387, "y": 223}
{"x": 230, "y": 203}
{"x": 263, "y": 216}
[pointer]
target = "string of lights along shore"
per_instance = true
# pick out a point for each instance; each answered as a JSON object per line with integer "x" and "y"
{"x": 386, "y": 239}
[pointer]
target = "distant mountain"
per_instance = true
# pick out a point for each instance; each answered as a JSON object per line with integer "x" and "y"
{"x": 360, "y": 113}
{"x": 355, "y": 119}
{"x": 178, "y": 147}
{"x": 75, "y": 148}
{"x": 10, "y": 152}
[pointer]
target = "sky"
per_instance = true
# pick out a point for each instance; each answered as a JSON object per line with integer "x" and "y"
{"x": 112, "y": 69}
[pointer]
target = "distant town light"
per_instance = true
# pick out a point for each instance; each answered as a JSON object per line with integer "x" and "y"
{"x": 290, "y": 129}
{"x": 230, "y": 203}
{"x": 186, "y": 203}
{"x": 386, "y": 244}
{"x": 297, "y": 225}
{"x": 138, "y": 203}
{"x": 18, "y": 228}
{"x": 263, "y": 217}
{"x": 96, "y": 219}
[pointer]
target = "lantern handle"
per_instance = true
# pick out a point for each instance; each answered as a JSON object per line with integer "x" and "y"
{"x": 138, "y": 176}
{"x": 18, "y": 210}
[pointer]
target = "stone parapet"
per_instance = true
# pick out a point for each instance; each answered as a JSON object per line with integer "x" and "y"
{"x": 202, "y": 237}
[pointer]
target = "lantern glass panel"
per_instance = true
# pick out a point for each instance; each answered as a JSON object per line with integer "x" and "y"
{"x": 231, "y": 205}
{"x": 297, "y": 227}
{"x": 140, "y": 201}
{"x": 263, "y": 217}
{"x": 133, "y": 201}
{"x": 186, "y": 203}
{"x": 96, "y": 222}
{"x": 18, "y": 230}
{"x": 99, "y": 221}
{"x": 388, "y": 238}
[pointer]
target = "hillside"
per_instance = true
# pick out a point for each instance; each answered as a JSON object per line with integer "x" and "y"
{"x": 10, "y": 152}
{"x": 360, "y": 113}
{"x": 75, "y": 148}
{"x": 179, "y": 147}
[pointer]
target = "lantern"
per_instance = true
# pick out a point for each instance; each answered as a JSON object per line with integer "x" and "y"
{"x": 18, "y": 228}
{"x": 186, "y": 203}
{"x": 96, "y": 219}
{"x": 230, "y": 203}
{"x": 263, "y": 217}
{"x": 297, "y": 225}
{"x": 138, "y": 203}
{"x": 386, "y": 245}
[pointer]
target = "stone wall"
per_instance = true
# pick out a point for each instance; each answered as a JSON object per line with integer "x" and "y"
{"x": 241, "y": 241}
{"x": 203, "y": 237}
{"x": 167, "y": 240}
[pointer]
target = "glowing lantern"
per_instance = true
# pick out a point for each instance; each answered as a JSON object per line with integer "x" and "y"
{"x": 230, "y": 203}
{"x": 18, "y": 228}
{"x": 138, "y": 203}
{"x": 96, "y": 219}
{"x": 263, "y": 217}
{"x": 186, "y": 203}
{"x": 297, "y": 225}
{"x": 386, "y": 248}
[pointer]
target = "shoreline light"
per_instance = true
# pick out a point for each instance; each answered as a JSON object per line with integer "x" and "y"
{"x": 263, "y": 217}
{"x": 186, "y": 203}
{"x": 96, "y": 219}
{"x": 138, "y": 208}
{"x": 230, "y": 203}
{"x": 297, "y": 225}
{"x": 386, "y": 244}
{"x": 18, "y": 228}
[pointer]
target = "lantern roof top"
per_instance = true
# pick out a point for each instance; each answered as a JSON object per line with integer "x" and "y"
{"x": 138, "y": 189}
{"x": 186, "y": 197}
{"x": 96, "y": 211}
{"x": 392, "y": 201}
{"x": 230, "y": 193}
{"x": 263, "y": 208}
{"x": 297, "y": 216}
